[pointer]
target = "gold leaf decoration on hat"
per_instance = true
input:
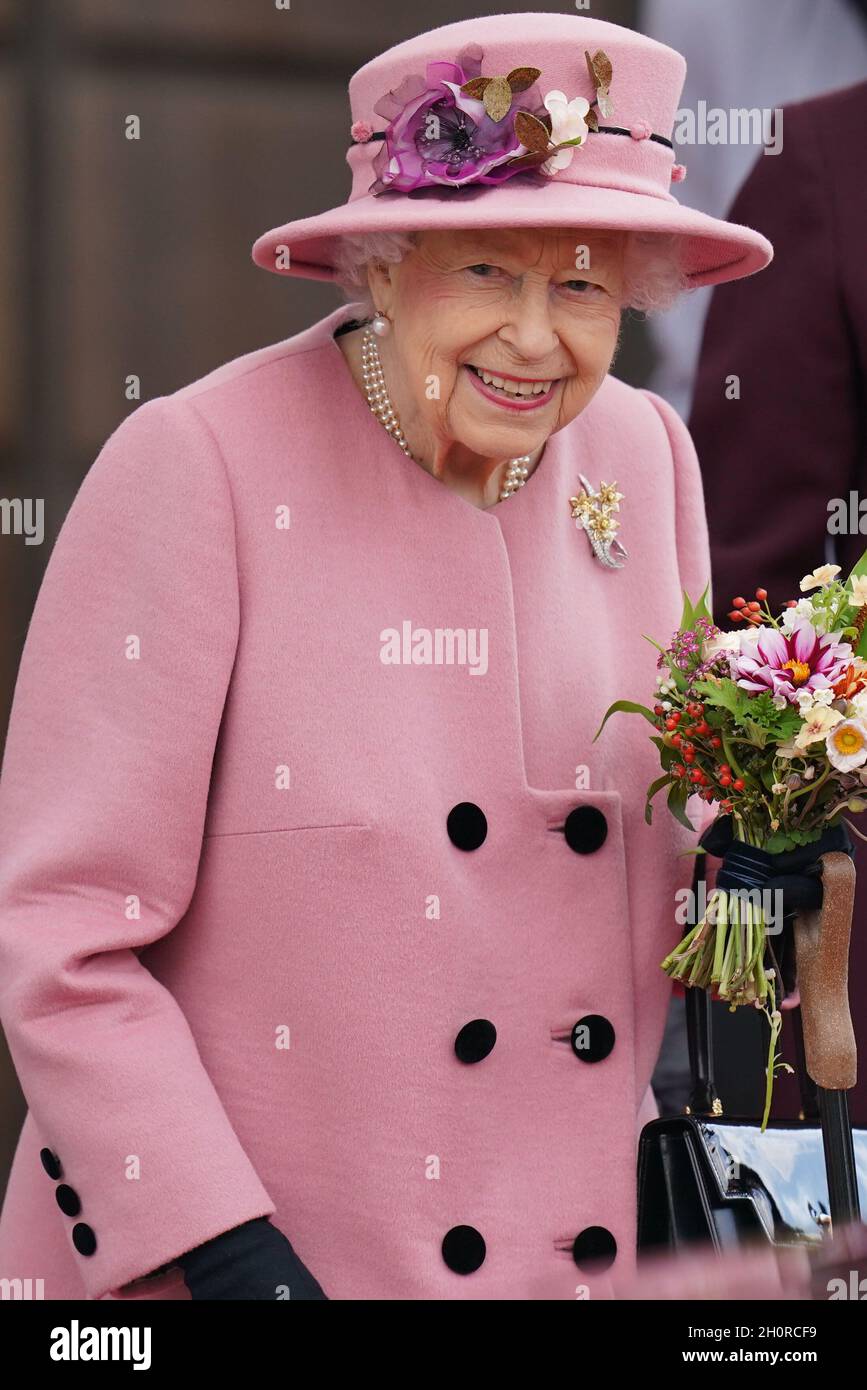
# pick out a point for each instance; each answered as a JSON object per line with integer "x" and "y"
{"x": 532, "y": 134}
{"x": 601, "y": 74}
{"x": 497, "y": 98}
{"x": 475, "y": 88}
{"x": 519, "y": 79}
{"x": 497, "y": 92}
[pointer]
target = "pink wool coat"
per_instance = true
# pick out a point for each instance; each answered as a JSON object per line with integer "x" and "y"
{"x": 252, "y": 960}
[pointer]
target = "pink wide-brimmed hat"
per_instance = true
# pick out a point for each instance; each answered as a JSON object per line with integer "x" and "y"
{"x": 520, "y": 120}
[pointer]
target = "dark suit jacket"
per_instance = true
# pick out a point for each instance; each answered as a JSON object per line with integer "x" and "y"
{"x": 796, "y": 337}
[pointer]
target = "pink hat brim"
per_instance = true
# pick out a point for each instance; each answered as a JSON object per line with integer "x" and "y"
{"x": 714, "y": 251}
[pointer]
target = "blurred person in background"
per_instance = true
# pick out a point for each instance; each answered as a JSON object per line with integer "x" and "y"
{"x": 741, "y": 55}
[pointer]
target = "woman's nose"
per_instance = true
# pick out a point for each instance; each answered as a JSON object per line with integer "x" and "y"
{"x": 529, "y": 330}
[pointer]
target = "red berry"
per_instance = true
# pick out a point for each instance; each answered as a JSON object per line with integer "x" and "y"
{"x": 670, "y": 723}
{"x": 724, "y": 767}
{"x": 761, "y": 594}
{"x": 716, "y": 741}
{"x": 678, "y": 770}
{"x": 704, "y": 728}
{"x": 754, "y": 607}
{"x": 725, "y": 780}
{"x": 657, "y": 709}
{"x": 739, "y": 784}
{"x": 736, "y": 617}
{"x": 738, "y": 602}
{"x": 689, "y": 755}
{"x": 676, "y": 740}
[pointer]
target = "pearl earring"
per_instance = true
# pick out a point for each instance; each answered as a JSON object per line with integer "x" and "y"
{"x": 380, "y": 324}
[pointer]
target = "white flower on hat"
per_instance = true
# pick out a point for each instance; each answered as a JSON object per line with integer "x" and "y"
{"x": 567, "y": 123}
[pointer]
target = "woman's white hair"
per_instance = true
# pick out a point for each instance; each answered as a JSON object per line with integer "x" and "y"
{"x": 653, "y": 276}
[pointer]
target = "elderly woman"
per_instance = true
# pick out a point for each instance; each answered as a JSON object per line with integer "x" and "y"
{"x": 330, "y": 937}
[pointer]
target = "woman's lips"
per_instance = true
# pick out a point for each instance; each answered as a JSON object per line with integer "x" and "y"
{"x": 509, "y": 403}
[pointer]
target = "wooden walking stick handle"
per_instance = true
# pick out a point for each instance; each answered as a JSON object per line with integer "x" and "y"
{"x": 822, "y": 953}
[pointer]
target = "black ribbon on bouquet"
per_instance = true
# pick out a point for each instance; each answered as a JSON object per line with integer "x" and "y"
{"x": 797, "y": 873}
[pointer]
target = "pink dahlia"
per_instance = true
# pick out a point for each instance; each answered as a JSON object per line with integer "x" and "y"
{"x": 786, "y": 663}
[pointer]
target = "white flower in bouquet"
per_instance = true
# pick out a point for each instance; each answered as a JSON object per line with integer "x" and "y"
{"x": 846, "y": 744}
{"x": 722, "y": 642}
{"x": 802, "y": 609}
{"x": 817, "y": 723}
{"x": 858, "y": 587}
{"x": 821, "y": 576}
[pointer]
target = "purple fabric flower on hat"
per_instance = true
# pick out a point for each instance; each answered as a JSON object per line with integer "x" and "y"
{"x": 783, "y": 664}
{"x": 439, "y": 135}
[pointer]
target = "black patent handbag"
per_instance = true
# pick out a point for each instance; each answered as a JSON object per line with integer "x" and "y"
{"x": 706, "y": 1178}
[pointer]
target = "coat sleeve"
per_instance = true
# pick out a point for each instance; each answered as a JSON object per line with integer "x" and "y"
{"x": 103, "y": 793}
{"x": 693, "y": 562}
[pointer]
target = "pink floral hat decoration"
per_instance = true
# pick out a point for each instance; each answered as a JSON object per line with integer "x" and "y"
{"x": 523, "y": 120}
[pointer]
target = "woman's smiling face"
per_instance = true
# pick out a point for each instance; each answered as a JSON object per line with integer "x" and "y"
{"x": 501, "y": 337}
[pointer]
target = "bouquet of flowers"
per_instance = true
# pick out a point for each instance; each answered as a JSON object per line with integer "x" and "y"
{"x": 768, "y": 720}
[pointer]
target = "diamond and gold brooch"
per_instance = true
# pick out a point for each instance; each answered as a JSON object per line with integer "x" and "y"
{"x": 593, "y": 512}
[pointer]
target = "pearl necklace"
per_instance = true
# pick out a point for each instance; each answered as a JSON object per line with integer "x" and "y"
{"x": 378, "y": 400}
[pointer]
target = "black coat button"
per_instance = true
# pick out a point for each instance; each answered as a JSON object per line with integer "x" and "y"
{"x": 83, "y": 1238}
{"x": 592, "y": 1038}
{"x": 475, "y": 1040}
{"x": 68, "y": 1199}
{"x": 467, "y": 825}
{"x": 463, "y": 1249}
{"x": 594, "y": 1246}
{"x": 585, "y": 829}
{"x": 51, "y": 1163}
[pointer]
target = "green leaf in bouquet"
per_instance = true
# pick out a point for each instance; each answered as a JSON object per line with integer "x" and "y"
{"x": 628, "y": 707}
{"x": 768, "y": 776}
{"x": 701, "y": 609}
{"x": 782, "y": 842}
{"x": 667, "y": 754}
{"x": 859, "y": 568}
{"x": 693, "y": 611}
{"x": 686, "y": 617}
{"x": 651, "y": 793}
{"x": 860, "y": 648}
{"x": 723, "y": 693}
{"x": 677, "y": 799}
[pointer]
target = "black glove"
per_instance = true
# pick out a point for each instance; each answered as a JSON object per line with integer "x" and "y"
{"x": 252, "y": 1261}
{"x": 796, "y": 873}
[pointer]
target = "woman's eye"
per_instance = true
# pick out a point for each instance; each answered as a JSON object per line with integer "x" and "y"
{"x": 582, "y": 286}
{"x": 483, "y": 270}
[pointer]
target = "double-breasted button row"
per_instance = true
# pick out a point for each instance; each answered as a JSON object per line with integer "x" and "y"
{"x": 83, "y": 1237}
{"x": 464, "y": 1248}
{"x": 585, "y": 828}
{"x": 591, "y": 1039}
